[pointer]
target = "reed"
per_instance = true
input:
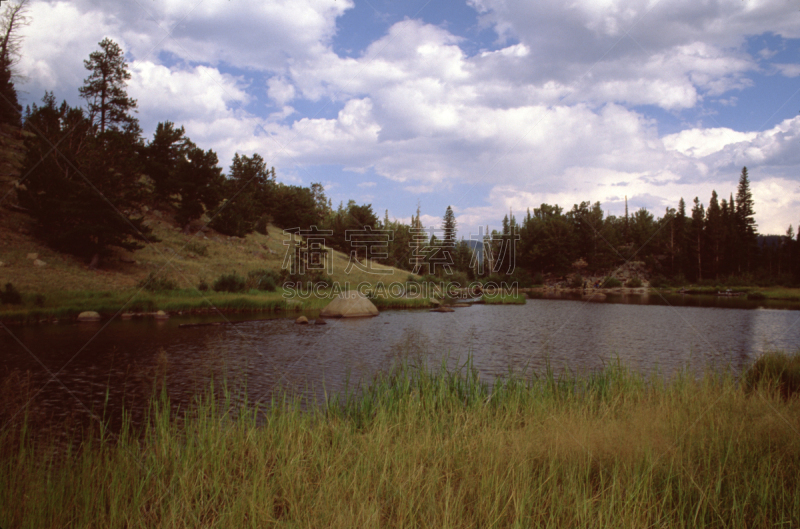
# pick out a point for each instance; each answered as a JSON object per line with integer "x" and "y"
{"x": 428, "y": 446}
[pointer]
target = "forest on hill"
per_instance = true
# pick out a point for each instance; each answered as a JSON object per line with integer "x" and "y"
{"x": 86, "y": 175}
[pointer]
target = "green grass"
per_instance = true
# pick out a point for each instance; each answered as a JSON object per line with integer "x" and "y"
{"x": 66, "y": 305}
{"x": 427, "y": 447}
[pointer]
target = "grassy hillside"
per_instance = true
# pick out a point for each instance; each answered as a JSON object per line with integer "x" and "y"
{"x": 64, "y": 281}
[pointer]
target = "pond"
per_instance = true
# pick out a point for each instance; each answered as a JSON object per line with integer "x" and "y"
{"x": 74, "y": 368}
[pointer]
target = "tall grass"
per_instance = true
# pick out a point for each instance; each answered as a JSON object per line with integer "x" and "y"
{"x": 430, "y": 447}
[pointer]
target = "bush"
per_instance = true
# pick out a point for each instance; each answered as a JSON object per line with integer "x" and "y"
{"x": 538, "y": 279}
{"x": 459, "y": 278}
{"x": 229, "y": 283}
{"x": 153, "y": 283}
{"x": 263, "y": 280}
{"x": 633, "y": 282}
{"x": 611, "y": 282}
{"x": 659, "y": 282}
{"x": 757, "y": 296}
{"x": 38, "y": 300}
{"x": 201, "y": 250}
{"x": 11, "y": 295}
{"x": 202, "y": 286}
{"x": 575, "y": 281}
{"x": 775, "y": 371}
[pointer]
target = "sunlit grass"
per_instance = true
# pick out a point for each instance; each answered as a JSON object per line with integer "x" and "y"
{"x": 431, "y": 447}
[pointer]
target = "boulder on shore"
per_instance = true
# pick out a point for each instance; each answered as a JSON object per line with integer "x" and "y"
{"x": 89, "y": 315}
{"x": 350, "y": 304}
{"x": 302, "y": 320}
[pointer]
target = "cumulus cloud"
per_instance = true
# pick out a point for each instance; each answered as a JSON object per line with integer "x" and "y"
{"x": 552, "y": 113}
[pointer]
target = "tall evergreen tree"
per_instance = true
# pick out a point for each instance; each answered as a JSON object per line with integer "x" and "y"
{"x": 714, "y": 228}
{"x": 104, "y": 90}
{"x": 698, "y": 220}
{"x": 449, "y": 229}
{"x": 745, "y": 223}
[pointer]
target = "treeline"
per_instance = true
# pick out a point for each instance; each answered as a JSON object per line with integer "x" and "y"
{"x": 714, "y": 243}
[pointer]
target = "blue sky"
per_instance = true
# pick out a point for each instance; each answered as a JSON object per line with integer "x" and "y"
{"x": 486, "y": 105}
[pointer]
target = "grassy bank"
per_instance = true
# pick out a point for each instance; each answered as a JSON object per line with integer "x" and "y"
{"x": 432, "y": 448}
{"x": 67, "y": 305}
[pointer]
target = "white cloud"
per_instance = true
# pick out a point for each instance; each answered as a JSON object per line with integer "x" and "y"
{"x": 789, "y": 70}
{"x": 698, "y": 143}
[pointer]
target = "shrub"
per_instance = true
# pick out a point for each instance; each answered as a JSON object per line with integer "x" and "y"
{"x": 458, "y": 278}
{"x": 202, "y": 286}
{"x": 575, "y": 281}
{"x": 757, "y": 296}
{"x": 154, "y": 283}
{"x": 538, "y": 279}
{"x": 38, "y": 300}
{"x": 229, "y": 283}
{"x": 201, "y": 250}
{"x": 611, "y": 282}
{"x": 633, "y": 282}
{"x": 775, "y": 371}
{"x": 11, "y": 295}
{"x": 263, "y": 280}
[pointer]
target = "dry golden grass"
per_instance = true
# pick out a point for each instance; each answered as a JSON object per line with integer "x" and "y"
{"x": 172, "y": 258}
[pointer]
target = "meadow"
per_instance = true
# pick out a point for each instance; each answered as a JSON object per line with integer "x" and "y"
{"x": 423, "y": 446}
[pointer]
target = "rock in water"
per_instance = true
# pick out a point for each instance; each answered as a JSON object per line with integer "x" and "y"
{"x": 161, "y": 315}
{"x": 89, "y": 316}
{"x": 442, "y": 308}
{"x": 320, "y": 321}
{"x": 302, "y": 320}
{"x": 350, "y": 304}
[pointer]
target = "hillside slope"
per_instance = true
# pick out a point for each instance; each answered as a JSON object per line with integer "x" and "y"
{"x": 187, "y": 259}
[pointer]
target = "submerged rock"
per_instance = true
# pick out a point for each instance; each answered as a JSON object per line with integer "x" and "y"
{"x": 320, "y": 321}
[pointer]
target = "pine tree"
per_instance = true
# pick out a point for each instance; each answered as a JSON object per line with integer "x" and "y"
{"x": 714, "y": 233}
{"x": 104, "y": 90}
{"x": 745, "y": 222}
{"x": 449, "y": 229}
{"x": 698, "y": 219}
{"x": 82, "y": 195}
